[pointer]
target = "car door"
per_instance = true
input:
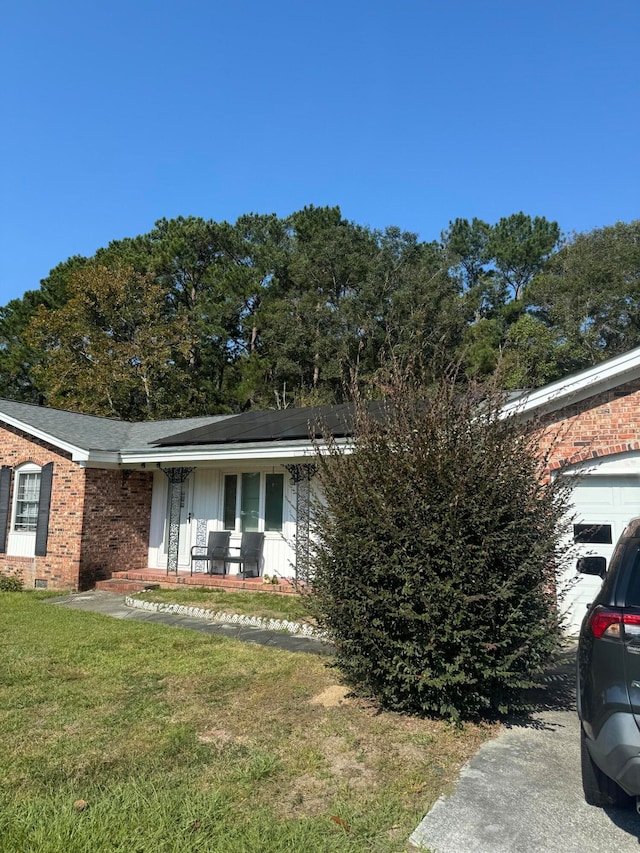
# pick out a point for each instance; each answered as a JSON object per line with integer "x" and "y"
{"x": 628, "y": 598}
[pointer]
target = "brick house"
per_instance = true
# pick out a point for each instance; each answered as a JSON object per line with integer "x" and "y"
{"x": 82, "y": 497}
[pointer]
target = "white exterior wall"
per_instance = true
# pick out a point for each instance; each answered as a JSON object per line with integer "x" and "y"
{"x": 202, "y": 512}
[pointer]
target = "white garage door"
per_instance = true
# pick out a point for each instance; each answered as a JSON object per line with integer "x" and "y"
{"x": 604, "y": 504}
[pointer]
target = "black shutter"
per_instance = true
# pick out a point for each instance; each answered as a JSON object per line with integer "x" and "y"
{"x": 5, "y": 493}
{"x": 42, "y": 528}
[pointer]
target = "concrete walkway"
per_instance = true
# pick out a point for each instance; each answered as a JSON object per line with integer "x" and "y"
{"x": 112, "y": 604}
{"x": 522, "y": 792}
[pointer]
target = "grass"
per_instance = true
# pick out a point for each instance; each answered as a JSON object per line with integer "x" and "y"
{"x": 264, "y": 604}
{"x": 134, "y": 737}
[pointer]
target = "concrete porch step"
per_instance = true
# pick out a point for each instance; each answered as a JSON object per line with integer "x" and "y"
{"x": 152, "y": 579}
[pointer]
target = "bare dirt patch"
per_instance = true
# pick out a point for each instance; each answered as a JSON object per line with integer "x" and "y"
{"x": 311, "y": 794}
{"x": 217, "y": 736}
{"x": 332, "y": 697}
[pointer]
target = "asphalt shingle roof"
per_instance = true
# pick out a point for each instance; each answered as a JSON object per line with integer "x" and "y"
{"x": 90, "y": 432}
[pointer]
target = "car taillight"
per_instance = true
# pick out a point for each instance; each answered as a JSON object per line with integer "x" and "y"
{"x": 608, "y": 623}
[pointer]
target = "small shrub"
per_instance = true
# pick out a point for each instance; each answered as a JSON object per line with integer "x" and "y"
{"x": 11, "y": 583}
{"x": 436, "y": 545}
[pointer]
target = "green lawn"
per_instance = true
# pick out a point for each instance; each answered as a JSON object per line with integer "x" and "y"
{"x": 127, "y": 736}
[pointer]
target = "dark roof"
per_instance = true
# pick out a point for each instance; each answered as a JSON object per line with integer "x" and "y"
{"x": 94, "y": 433}
{"x": 276, "y": 425}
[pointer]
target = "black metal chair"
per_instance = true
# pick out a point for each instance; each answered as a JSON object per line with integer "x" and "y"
{"x": 250, "y": 557}
{"x": 215, "y": 552}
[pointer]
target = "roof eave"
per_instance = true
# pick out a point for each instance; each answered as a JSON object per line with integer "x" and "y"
{"x": 595, "y": 380}
{"x": 221, "y": 453}
{"x": 78, "y": 454}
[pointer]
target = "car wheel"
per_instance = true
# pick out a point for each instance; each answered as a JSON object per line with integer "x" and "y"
{"x": 599, "y": 789}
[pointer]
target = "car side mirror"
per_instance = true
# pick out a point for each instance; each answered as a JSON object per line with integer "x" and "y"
{"x": 592, "y": 566}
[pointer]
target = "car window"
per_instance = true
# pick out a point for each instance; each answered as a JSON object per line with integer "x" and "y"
{"x": 610, "y": 579}
{"x": 633, "y": 587}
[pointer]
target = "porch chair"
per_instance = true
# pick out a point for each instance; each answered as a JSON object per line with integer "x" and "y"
{"x": 250, "y": 554}
{"x": 215, "y": 552}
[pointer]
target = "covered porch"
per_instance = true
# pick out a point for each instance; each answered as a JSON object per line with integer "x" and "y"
{"x": 237, "y": 498}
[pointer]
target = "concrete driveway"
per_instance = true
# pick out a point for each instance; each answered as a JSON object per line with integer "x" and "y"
{"x": 522, "y": 793}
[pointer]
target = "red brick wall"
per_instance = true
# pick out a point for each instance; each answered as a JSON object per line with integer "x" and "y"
{"x": 599, "y": 426}
{"x": 98, "y": 523}
{"x": 61, "y": 566}
{"x": 117, "y": 517}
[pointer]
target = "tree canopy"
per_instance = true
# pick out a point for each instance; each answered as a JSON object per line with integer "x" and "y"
{"x": 199, "y": 317}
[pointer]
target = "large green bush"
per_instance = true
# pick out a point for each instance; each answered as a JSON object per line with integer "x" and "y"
{"x": 436, "y": 551}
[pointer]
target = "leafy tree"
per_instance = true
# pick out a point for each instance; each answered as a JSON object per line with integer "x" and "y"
{"x": 18, "y": 358}
{"x": 305, "y": 320}
{"x": 466, "y": 247}
{"x": 339, "y": 295}
{"x": 532, "y": 355}
{"x": 275, "y": 311}
{"x": 435, "y": 546}
{"x": 482, "y": 347}
{"x": 589, "y": 294}
{"x": 109, "y": 350}
{"x": 494, "y": 266}
{"x": 409, "y": 305}
{"x": 520, "y": 247}
{"x": 198, "y": 265}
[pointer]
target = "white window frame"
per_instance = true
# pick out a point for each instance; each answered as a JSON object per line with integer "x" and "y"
{"x": 22, "y": 543}
{"x": 262, "y": 500}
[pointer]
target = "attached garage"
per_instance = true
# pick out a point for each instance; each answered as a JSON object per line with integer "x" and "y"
{"x": 588, "y": 425}
{"x": 606, "y": 496}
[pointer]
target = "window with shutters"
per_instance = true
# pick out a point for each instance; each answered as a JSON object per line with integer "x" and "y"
{"x": 27, "y": 500}
{"x": 24, "y": 510}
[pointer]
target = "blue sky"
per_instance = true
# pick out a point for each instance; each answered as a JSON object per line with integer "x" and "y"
{"x": 408, "y": 113}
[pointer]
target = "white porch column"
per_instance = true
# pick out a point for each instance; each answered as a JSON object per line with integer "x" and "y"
{"x": 176, "y": 477}
{"x": 301, "y": 475}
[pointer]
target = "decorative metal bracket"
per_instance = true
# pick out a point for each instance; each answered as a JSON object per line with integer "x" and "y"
{"x": 302, "y": 471}
{"x": 177, "y": 478}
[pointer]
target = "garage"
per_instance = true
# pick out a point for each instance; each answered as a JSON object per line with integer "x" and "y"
{"x": 606, "y": 496}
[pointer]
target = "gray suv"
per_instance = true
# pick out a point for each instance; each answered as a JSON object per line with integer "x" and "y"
{"x": 608, "y": 690}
